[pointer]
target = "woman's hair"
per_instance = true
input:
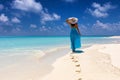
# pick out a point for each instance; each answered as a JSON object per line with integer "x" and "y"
{"x": 72, "y": 25}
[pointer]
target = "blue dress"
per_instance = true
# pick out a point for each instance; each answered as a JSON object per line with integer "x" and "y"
{"x": 75, "y": 39}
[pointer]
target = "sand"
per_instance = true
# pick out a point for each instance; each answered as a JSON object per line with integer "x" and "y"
{"x": 96, "y": 65}
{"x": 115, "y": 37}
{"x": 92, "y": 64}
{"x": 114, "y": 52}
{"x": 98, "y": 62}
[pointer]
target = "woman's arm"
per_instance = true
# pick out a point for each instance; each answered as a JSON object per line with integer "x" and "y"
{"x": 68, "y": 21}
{"x": 77, "y": 29}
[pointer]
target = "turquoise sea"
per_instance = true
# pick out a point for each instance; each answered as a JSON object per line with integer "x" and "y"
{"x": 29, "y": 43}
{"x": 38, "y": 41}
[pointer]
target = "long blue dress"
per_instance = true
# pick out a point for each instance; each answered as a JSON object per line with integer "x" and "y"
{"x": 75, "y": 39}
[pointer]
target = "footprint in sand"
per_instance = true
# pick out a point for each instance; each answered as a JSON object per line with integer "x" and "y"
{"x": 77, "y": 71}
{"x": 80, "y": 79}
{"x": 72, "y": 57}
{"x": 75, "y": 61}
{"x": 77, "y": 65}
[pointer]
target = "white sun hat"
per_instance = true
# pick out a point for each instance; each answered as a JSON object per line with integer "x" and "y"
{"x": 73, "y": 20}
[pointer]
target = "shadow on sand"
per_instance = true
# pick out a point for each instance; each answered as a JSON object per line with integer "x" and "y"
{"x": 78, "y": 52}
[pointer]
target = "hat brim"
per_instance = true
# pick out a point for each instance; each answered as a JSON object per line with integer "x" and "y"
{"x": 73, "y": 20}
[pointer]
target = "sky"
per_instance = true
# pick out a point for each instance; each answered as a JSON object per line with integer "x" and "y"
{"x": 47, "y": 17}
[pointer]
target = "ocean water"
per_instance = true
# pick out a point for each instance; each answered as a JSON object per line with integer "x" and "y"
{"x": 26, "y": 44}
{"x": 32, "y": 42}
{"x": 37, "y": 41}
{"x": 16, "y": 50}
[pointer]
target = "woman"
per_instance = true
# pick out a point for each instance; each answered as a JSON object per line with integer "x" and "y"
{"x": 74, "y": 34}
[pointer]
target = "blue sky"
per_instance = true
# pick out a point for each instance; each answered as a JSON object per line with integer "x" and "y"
{"x": 47, "y": 17}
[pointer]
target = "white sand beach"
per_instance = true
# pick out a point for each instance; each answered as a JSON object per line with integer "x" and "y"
{"x": 115, "y": 37}
{"x": 98, "y": 62}
{"x": 94, "y": 64}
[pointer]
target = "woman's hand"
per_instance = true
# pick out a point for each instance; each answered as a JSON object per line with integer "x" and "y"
{"x": 67, "y": 21}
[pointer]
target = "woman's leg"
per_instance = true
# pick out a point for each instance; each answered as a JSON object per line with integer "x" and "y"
{"x": 73, "y": 46}
{"x": 72, "y": 42}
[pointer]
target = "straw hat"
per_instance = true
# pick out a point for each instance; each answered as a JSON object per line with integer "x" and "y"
{"x": 73, "y": 20}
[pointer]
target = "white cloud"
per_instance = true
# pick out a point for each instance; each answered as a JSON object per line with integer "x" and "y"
{"x": 97, "y": 13}
{"x": 103, "y": 8}
{"x": 100, "y": 28}
{"x": 43, "y": 28}
{"x": 27, "y": 5}
{"x": 56, "y": 16}
{"x": 101, "y": 25}
{"x": 3, "y": 18}
{"x": 15, "y": 20}
{"x": 100, "y": 10}
{"x": 106, "y": 27}
{"x": 33, "y": 6}
{"x": 33, "y": 26}
{"x": 1, "y": 7}
{"x": 45, "y": 16}
{"x": 15, "y": 30}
